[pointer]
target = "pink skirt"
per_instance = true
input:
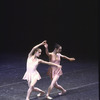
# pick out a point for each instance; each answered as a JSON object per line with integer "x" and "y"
{"x": 31, "y": 76}
{"x": 52, "y": 71}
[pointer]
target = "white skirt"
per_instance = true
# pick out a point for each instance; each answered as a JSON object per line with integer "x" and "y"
{"x": 31, "y": 76}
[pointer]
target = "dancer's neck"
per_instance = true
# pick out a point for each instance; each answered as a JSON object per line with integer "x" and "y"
{"x": 55, "y": 52}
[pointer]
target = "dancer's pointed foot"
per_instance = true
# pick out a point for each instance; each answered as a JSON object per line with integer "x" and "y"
{"x": 61, "y": 93}
{"x": 40, "y": 94}
{"x": 27, "y": 99}
{"x": 48, "y": 97}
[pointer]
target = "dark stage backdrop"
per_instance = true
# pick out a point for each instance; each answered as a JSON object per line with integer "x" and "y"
{"x": 70, "y": 23}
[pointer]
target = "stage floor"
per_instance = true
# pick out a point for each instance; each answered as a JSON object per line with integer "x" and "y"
{"x": 80, "y": 79}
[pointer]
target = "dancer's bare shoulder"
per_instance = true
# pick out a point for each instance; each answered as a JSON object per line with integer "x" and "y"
{"x": 50, "y": 53}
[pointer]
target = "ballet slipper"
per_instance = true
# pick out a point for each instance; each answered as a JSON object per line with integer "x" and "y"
{"x": 27, "y": 99}
{"x": 48, "y": 97}
{"x": 40, "y": 94}
{"x": 61, "y": 93}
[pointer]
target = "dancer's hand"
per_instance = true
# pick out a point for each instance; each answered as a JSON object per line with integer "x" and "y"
{"x": 72, "y": 59}
{"x": 59, "y": 66}
{"x": 44, "y": 42}
{"x": 46, "y": 45}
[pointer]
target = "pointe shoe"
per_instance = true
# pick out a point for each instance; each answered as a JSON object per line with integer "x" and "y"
{"x": 48, "y": 97}
{"x": 61, "y": 93}
{"x": 27, "y": 99}
{"x": 40, "y": 94}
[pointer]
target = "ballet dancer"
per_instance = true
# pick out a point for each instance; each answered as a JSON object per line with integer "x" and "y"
{"x": 31, "y": 74}
{"x": 54, "y": 72}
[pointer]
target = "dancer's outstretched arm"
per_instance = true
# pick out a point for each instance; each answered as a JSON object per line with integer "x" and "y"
{"x": 46, "y": 49}
{"x": 30, "y": 54}
{"x": 49, "y": 63}
{"x": 70, "y": 59}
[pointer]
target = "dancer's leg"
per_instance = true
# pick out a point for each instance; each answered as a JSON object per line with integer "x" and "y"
{"x": 38, "y": 90}
{"x": 60, "y": 88}
{"x": 54, "y": 80}
{"x": 31, "y": 85}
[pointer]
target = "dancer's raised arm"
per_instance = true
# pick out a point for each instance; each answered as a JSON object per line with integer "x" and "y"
{"x": 46, "y": 49}
{"x": 42, "y": 43}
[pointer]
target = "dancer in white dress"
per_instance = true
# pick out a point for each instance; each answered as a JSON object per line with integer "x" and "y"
{"x": 31, "y": 74}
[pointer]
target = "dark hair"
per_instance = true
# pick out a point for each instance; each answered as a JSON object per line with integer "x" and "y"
{"x": 57, "y": 46}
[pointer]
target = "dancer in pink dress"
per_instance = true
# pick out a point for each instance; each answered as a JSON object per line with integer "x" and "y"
{"x": 53, "y": 71}
{"x": 31, "y": 74}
